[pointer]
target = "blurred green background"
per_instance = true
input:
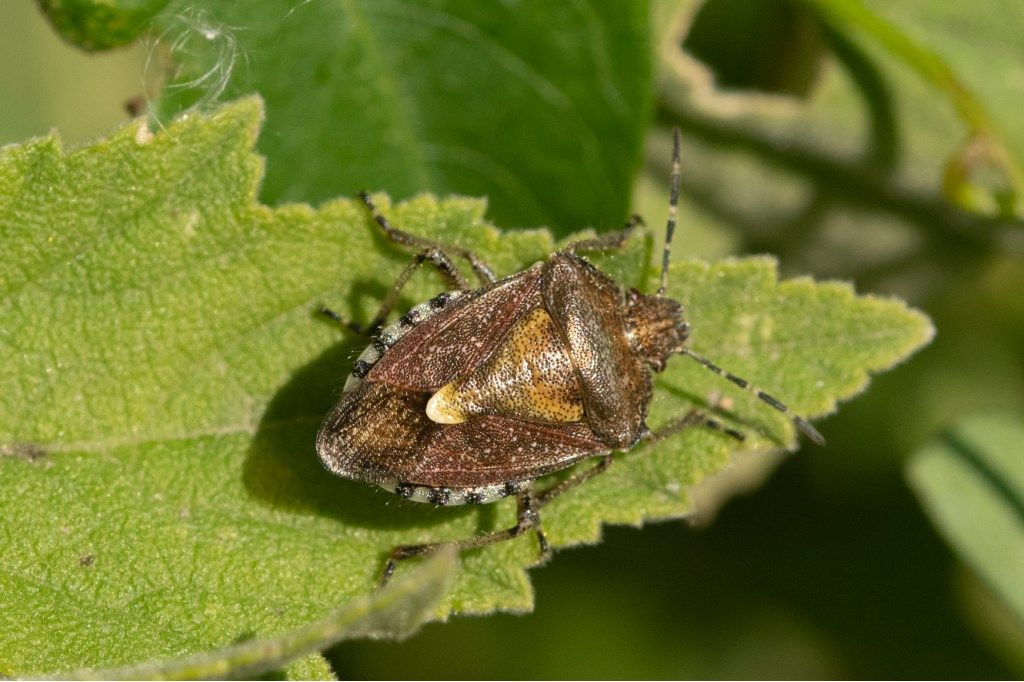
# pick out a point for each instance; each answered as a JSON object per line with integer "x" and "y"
{"x": 829, "y": 150}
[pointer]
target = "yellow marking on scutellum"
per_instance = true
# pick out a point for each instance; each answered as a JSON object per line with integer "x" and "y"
{"x": 445, "y": 406}
{"x": 531, "y": 376}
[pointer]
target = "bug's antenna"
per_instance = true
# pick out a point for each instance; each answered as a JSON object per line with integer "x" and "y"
{"x": 799, "y": 422}
{"x": 673, "y": 208}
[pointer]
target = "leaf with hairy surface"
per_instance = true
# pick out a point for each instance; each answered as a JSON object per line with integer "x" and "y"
{"x": 166, "y": 377}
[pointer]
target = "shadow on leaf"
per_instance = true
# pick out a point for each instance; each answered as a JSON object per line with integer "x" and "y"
{"x": 282, "y": 468}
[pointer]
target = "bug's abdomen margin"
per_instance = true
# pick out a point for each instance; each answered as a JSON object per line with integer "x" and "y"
{"x": 382, "y": 435}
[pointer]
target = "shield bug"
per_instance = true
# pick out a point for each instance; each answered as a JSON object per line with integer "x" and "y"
{"x": 477, "y": 393}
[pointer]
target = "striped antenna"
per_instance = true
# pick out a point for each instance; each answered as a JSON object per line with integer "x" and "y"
{"x": 673, "y": 208}
{"x": 799, "y": 422}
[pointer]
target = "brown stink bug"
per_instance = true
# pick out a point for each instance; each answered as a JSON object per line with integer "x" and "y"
{"x": 477, "y": 393}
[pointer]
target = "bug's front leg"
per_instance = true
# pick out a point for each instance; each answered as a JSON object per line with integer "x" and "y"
{"x": 694, "y": 417}
{"x": 527, "y": 518}
{"x": 573, "y": 481}
{"x": 611, "y": 241}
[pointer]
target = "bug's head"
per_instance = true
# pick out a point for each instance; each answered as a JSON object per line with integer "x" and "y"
{"x": 655, "y": 326}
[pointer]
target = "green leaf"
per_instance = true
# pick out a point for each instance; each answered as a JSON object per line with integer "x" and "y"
{"x": 971, "y": 482}
{"x": 167, "y": 377}
{"x": 985, "y": 150}
{"x": 411, "y": 97}
{"x": 395, "y": 612}
{"x": 100, "y": 24}
{"x": 772, "y": 48}
{"x": 850, "y": 181}
{"x": 311, "y": 667}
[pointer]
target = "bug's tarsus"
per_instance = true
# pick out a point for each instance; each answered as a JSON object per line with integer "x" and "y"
{"x": 434, "y": 252}
{"x": 611, "y": 241}
{"x": 673, "y": 208}
{"x": 327, "y": 312}
{"x": 399, "y": 553}
{"x": 800, "y": 423}
{"x": 542, "y": 543}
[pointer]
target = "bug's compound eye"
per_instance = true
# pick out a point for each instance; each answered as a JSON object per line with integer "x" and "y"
{"x": 656, "y": 364}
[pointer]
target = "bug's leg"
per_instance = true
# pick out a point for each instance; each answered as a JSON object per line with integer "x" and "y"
{"x": 573, "y": 481}
{"x": 527, "y": 518}
{"x": 372, "y": 327}
{"x": 692, "y": 418}
{"x": 386, "y": 305}
{"x": 799, "y": 422}
{"x": 432, "y": 250}
{"x": 343, "y": 322}
{"x": 528, "y": 507}
{"x": 607, "y": 242}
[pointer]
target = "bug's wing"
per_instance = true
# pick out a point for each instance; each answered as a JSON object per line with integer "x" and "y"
{"x": 374, "y": 430}
{"x": 586, "y": 306}
{"x": 493, "y": 449}
{"x": 381, "y": 434}
{"x": 455, "y": 341}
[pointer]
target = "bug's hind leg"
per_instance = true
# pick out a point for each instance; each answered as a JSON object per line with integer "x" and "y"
{"x": 527, "y": 519}
{"x": 433, "y": 251}
{"x": 694, "y": 417}
{"x": 611, "y": 241}
{"x": 428, "y": 252}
